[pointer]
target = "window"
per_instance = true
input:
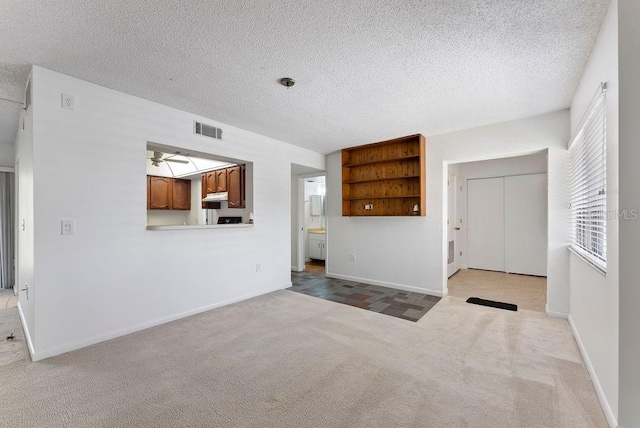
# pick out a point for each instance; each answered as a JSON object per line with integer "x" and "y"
{"x": 588, "y": 182}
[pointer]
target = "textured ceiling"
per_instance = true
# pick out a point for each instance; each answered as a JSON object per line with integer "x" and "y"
{"x": 365, "y": 70}
{"x": 13, "y": 83}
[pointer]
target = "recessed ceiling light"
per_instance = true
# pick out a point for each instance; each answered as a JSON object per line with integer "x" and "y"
{"x": 287, "y": 81}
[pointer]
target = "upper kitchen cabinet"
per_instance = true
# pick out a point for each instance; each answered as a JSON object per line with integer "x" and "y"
{"x": 210, "y": 182}
{"x": 221, "y": 180}
{"x": 385, "y": 179}
{"x": 164, "y": 193}
{"x": 181, "y": 194}
{"x": 206, "y": 189}
{"x": 235, "y": 187}
{"x": 159, "y": 193}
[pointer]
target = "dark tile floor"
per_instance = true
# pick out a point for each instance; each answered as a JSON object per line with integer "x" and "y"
{"x": 389, "y": 301}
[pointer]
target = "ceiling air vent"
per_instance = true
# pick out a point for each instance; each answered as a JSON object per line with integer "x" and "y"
{"x": 207, "y": 130}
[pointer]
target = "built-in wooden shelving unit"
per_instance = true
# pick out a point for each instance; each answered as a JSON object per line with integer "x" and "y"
{"x": 385, "y": 179}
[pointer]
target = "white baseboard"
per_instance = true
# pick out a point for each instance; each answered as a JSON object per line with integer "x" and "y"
{"x": 402, "y": 287}
{"x": 555, "y": 314}
{"x": 611, "y": 419}
{"x": 25, "y": 329}
{"x": 51, "y": 352}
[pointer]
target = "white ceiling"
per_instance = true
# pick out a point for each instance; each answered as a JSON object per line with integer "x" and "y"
{"x": 13, "y": 83}
{"x": 193, "y": 167}
{"x": 365, "y": 70}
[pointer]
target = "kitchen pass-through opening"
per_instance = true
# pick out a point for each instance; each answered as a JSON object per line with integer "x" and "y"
{"x": 189, "y": 188}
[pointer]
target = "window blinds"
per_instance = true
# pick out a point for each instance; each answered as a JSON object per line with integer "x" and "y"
{"x": 588, "y": 182}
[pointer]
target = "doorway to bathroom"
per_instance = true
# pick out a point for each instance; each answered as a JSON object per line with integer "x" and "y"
{"x": 315, "y": 222}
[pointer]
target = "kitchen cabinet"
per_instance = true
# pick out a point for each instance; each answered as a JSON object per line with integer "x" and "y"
{"x": 221, "y": 180}
{"x": 209, "y": 182}
{"x": 159, "y": 193}
{"x": 205, "y": 190}
{"x": 385, "y": 179}
{"x": 317, "y": 246}
{"x": 181, "y": 194}
{"x": 235, "y": 187}
{"x": 230, "y": 180}
{"x": 165, "y": 193}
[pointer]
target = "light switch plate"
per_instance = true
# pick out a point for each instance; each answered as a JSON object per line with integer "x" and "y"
{"x": 67, "y": 227}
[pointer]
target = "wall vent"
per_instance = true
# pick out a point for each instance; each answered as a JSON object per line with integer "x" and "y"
{"x": 207, "y": 130}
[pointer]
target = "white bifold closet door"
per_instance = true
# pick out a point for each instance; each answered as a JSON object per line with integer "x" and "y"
{"x": 507, "y": 224}
{"x": 525, "y": 224}
{"x": 485, "y": 224}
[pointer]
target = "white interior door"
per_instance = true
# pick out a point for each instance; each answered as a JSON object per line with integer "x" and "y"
{"x": 525, "y": 223}
{"x": 452, "y": 224}
{"x": 485, "y": 225}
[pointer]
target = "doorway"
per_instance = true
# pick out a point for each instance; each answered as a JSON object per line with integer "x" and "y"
{"x": 501, "y": 207}
{"x": 309, "y": 246}
{"x": 315, "y": 224}
{"x": 452, "y": 225}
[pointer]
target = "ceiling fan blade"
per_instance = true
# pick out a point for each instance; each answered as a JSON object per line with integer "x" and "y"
{"x": 175, "y": 160}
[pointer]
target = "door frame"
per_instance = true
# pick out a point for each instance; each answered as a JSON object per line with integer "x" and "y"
{"x": 300, "y": 259}
{"x": 452, "y": 183}
{"x": 456, "y": 160}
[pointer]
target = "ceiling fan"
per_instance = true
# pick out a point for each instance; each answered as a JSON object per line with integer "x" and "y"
{"x": 157, "y": 158}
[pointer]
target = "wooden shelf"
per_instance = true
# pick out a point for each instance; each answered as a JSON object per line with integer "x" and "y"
{"x": 393, "y": 167}
{"x": 381, "y": 179}
{"x": 381, "y": 161}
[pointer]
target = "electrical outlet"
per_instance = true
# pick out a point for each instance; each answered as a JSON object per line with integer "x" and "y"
{"x": 67, "y": 227}
{"x": 68, "y": 102}
{"x": 353, "y": 257}
{"x": 368, "y": 206}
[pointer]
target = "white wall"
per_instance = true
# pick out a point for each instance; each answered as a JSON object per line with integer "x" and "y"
{"x": 629, "y": 49}
{"x": 517, "y": 165}
{"x": 113, "y": 276}
{"x": 196, "y": 214}
{"x": 7, "y": 154}
{"x": 594, "y": 297}
{"x": 24, "y": 216}
{"x": 168, "y": 217}
{"x": 409, "y": 252}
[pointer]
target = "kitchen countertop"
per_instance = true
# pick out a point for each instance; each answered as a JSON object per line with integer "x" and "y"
{"x": 199, "y": 226}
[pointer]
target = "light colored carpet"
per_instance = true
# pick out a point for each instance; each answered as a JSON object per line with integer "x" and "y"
{"x": 528, "y": 292}
{"x": 290, "y": 360}
{"x": 7, "y": 299}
